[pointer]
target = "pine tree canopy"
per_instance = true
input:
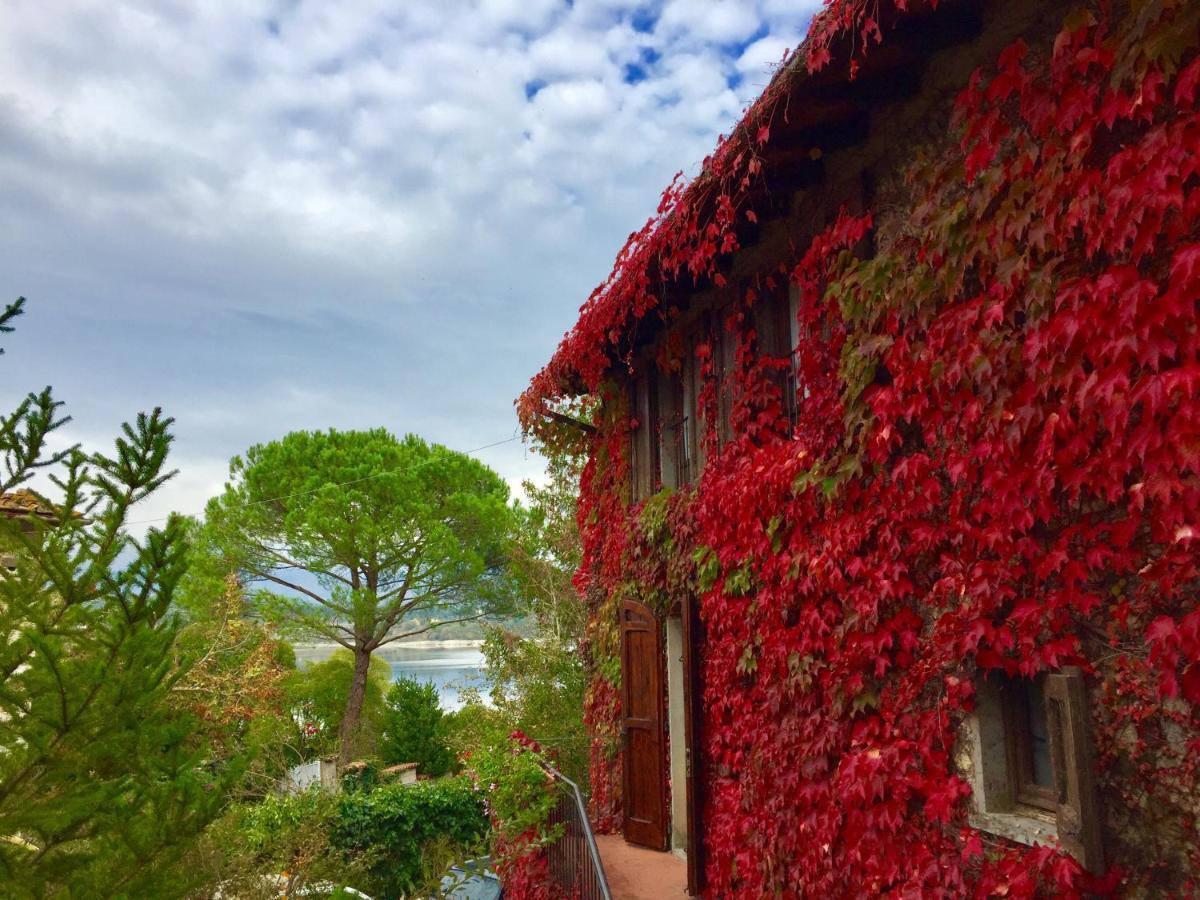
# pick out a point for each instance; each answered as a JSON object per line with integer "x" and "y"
{"x": 101, "y": 790}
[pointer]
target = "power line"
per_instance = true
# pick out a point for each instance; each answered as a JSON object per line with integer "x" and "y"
{"x": 424, "y": 462}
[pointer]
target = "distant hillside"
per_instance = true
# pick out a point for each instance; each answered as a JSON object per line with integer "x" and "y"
{"x": 522, "y": 625}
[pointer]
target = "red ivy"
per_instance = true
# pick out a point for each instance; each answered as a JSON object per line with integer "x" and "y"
{"x": 996, "y": 467}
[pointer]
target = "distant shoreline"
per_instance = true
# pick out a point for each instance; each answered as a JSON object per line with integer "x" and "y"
{"x": 455, "y": 644}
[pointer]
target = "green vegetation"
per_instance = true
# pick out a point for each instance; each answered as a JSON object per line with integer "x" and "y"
{"x": 102, "y": 782}
{"x": 414, "y": 728}
{"x": 387, "y": 530}
{"x": 231, "y": 674}
{"x": 389, "y": 841}
{"x": 150, "y": 705}
{"x": 406, "y": 823}
{"x": 538, "y": 682}
{"x": 316, "y": 699}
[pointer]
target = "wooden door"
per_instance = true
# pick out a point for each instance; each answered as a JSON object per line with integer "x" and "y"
{"x": 642, "y": 738}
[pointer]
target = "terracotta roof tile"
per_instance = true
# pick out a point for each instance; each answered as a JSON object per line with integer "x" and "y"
{"x": 24, "y": 502}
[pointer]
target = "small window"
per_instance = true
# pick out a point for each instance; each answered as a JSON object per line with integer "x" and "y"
{"x": 674, "y": 450}
{"x": 1028, "y": 740}
{"x": 794, "y": 334}
{"x": 693, "y": 385}
{"x": 643, "y": 456}
{"x": 777, "y": 327}
{"x": 725, "y": 344}
{"x": 1031, "y": 762}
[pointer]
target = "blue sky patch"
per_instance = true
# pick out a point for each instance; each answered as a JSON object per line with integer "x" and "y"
{"x": 737, "y": 48}
{"x": 643, "y": 20}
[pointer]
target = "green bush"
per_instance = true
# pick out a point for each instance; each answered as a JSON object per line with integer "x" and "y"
{"x": 414, "y": 728}
{"x": 401, "y": 827}
{"x": 266, "y": 826}
{"x": 389, "y": 841}
{"x": 258, "y": 842}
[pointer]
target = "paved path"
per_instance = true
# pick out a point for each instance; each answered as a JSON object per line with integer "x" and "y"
{"x": 635, "y": 873}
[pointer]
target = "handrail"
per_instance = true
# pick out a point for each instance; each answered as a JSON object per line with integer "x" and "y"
{"x": 599, "y": 882}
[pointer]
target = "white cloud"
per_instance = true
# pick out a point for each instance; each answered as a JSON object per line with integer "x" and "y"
{"x": 762, "y": 56}
{"x": 713, "y": 21}
{"x": 393, "y": 208}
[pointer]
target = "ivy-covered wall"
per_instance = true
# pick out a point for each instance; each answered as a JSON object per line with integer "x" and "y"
{"x": 996, "y": 465}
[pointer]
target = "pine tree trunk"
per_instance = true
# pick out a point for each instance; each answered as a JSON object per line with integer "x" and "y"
{"x": 348, "y": 734}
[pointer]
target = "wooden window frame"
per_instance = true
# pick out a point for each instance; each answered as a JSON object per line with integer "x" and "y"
{"x": 673, "y": 438}
{"x": 776, "y": 324}
{"x": 1019, "y": 748}
{"x": 644, "y": 468}
{"x": 693, "y": 386}
{"x": 1076, "y": 796}
{"x": 794, "y": 335}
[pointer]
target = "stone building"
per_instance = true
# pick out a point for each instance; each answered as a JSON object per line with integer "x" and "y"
{"x": 895, "y": 465}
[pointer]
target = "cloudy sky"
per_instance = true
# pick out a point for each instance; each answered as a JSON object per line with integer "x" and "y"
{"x": 265, "y": 215}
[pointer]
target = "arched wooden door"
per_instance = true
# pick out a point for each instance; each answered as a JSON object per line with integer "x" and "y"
{"x": 642, "y": 724}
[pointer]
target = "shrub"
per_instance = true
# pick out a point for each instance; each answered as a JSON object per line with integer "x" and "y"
{"x": 520, "y": 797}
{"x": 414, "y": 728}
{"x": 389, "y": 841}
{"x": 283, "y": 833}
{"x": 410, "y": 832}
{"x": 518, "y": 792}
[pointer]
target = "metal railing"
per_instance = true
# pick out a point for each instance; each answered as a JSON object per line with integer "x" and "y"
{"x": 574, "y": 857}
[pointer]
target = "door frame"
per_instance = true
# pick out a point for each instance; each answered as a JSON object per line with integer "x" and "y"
{"x": 693, "y": 721}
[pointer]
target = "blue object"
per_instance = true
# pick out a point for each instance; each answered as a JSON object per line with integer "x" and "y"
{"x": 472, "y": 881}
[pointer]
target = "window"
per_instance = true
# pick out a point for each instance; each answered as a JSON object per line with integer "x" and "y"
{"x": 1028, "y": 742}
{"x": 1030, "y": 763}
{"x": 724, "y": 359}
{"x": 693, "y": 383}
{"x": 778, "y": 328}
{"x": 794, "y": 347}
{"x": 643, "y": 456}
{"x": 674, "y": 450}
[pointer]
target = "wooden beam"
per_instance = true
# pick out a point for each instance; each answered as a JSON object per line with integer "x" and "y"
{"x": 570, "y": 421}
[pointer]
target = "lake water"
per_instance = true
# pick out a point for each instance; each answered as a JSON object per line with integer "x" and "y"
{"x": 450, "y": 669}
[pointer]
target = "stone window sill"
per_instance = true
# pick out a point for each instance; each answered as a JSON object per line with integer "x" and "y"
{"x": 1029, "y": 828}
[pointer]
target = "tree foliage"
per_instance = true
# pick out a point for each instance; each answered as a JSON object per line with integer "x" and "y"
{"x": 537, "y": 684}
{"x": 413, "y": 728}
{"x": 548, "y": 550}
{"x": 316, "y": 698}
{"x": 233, "y": 679}
{"x": 101, "y": 786}
{"x": 361, "y": 533}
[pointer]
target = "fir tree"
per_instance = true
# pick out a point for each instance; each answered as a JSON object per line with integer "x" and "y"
{"x": 101, "y": 790}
